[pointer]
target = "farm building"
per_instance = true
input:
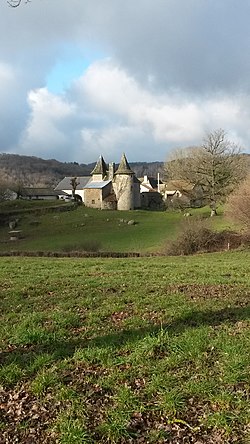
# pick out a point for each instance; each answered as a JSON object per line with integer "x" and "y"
{"x": 38, "y": 194}
{"x": 110, "y": 189}
{"x": 65, "y": 186}
{"x": 113, "y": 188}
{"x": 191, "y": 193}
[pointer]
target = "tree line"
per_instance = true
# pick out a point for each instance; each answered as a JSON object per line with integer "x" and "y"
{"x": 34, "y": 171}
{"x": 30, "y": 171}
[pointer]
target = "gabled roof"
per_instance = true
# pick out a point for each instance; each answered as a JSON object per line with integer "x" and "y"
{"x": 100, "y": 168}
{"x": 38, "y": 192}
{"x": 124, "y": 167}
{"x": 151, "y": 181}
{"x": 97, "y": 185}
{"x": 148, "y": 187}
{"x": 66, "y": 185}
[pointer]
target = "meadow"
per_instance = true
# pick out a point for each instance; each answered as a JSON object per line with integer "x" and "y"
{"x": 138, "y": 350}
{"x": 87, "y": 229}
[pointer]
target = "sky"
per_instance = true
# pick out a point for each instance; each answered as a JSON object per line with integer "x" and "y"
{"x": 80, "y": 78}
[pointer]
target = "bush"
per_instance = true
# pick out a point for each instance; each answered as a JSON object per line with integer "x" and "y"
{"x": 196, "y": 236}
{"x": 238, "y": 205}
{"x": 177, "y": 203}
{"x": 88, "y": 245}
{"x": 193, "y": 237}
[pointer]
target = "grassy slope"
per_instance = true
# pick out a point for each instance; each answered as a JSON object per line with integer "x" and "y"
{"x": 103, "y": 229}
{"x": 15, "y": 205}
{"x": 116, "y": 351}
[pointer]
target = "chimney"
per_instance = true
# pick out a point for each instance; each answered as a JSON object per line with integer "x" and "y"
{"x": 111, "y": 170}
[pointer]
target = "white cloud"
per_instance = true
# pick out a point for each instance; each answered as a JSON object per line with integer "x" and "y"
{"x": 112, "y": 141}
{"x": 48, "y": 105}
{"x": 171, "y": 117}
{"x": 174, "y": 70}
{"x": 45, "y": 127}
{"x": 107, "y": 111}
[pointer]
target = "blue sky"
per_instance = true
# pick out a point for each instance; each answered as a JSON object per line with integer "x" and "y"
{"x": 70, "y": 65}
{"x": 64, "y": 72}
{"x": 84, "y": 78}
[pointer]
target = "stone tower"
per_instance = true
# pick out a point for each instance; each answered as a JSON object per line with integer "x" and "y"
{"x": 100, "y": 171}
{"x": 124, "y": 185}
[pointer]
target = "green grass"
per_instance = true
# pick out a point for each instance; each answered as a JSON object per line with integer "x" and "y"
{"x": 25, "y": 204}
{"x": 113, "y": 351}
{"x": 92, "y": 230}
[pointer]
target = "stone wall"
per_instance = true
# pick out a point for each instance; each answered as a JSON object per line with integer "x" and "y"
{"x": 93, "y": 198}
{"x": 124, "y": 187}
{"x": 137, "y": 195}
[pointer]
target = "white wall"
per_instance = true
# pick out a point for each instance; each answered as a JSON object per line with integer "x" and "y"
{"x": 79, "y": 192}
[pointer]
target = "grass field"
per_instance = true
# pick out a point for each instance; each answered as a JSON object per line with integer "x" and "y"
{"x": 86, "y": 229}
{"x": 147, "y": 350}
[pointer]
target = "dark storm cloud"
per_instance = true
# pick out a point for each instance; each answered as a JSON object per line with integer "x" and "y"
{"x": 193, "y": 45}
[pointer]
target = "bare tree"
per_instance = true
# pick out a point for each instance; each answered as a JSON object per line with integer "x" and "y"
{"x": 7, "y": 190}
{"x": 18, "y": 188}
{"x": 74, "y": 183}
{"x": 3, "y": 191}
{"x": 238, "y": 205}
{"x": 216, "y": 166}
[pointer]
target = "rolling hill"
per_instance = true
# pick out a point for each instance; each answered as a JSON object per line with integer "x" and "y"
{"x": 34, "y": 171}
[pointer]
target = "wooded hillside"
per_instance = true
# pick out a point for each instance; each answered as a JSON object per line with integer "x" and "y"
{"x": 34, "y": 171}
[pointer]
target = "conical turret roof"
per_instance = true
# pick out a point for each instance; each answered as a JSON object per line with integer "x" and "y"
{"x": 124, "y": 167}
{"x": 100, "y": 168}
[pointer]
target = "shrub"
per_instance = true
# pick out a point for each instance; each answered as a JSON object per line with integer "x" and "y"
{"x": 88, "y": 245}
{"x": 196, "y": 236}
{"x": 177, "y": 203}
{"x": 193, "y": 237}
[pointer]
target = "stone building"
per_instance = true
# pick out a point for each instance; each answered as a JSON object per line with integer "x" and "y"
{"x": 110, "y": 189}
{"x": 151, "y": 197}
{"x": 64, "y": 188}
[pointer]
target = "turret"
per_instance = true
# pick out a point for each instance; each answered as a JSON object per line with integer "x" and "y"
{"x": 100, "y": 171}
{"x": 124, "y": 185}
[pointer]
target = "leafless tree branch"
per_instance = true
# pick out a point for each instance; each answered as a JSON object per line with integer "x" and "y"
{"x": 216, "y": 166}
{"x": 16, "y": 3}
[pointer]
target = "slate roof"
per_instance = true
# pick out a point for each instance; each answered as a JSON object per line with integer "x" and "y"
{"x": 38, "y": 192}
{"x": 152, "y": 181}
{"x": 66, "y": 185}
{"x": 97, "y": 185}
{"x": 149, "y": 188}
{"x": 124, "y": 167}
{"x": 100, "y": 168}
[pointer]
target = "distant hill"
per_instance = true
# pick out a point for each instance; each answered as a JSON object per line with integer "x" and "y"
{"x": 147, "y": 168}
{"x": 34, "y": 171}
